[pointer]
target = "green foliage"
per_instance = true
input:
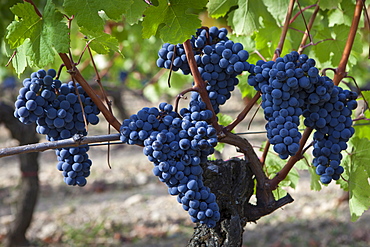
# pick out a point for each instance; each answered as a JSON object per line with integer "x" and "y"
{"x": 245, "y": 19}
{"x": 101, "y": 42}
{"x": 172, "y": 20}
{"x": 362, "y": 127}
{"x": 356, "y": 175}
{"x": 86, "y": 12}
{"x": 219, "y": 8}
{"x": 135, "y": 12}
{"x": 48, "y": 34}
{"x": 274, "y": 164}
{"x": 223, "y": 120}
{"x": 157, "y": 91}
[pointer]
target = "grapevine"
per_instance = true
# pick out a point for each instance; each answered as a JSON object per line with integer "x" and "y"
{"x": 291, "y": 85}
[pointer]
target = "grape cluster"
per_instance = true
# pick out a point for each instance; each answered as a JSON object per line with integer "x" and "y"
{"x": 281, "y": 100}
{"x": 74, "y": 163}
{"x": 333, "y": 127}
{"x": 178, "y": 144}
{"x": 64, "y": 117}
{"x": 60, "y": 111}
{"x": 219, "y": 61}
{"x": 36, "y": 94}
{"x": 291, "y": 86}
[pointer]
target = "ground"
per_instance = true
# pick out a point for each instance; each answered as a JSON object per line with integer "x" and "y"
{"x": 128, "y": 206}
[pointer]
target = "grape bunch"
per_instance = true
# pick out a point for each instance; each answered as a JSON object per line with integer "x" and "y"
{"x": 178, "y": 144}
{"x": 332, "y": 133}
{"x": 279, "y": 83}
{"x": 291, "y": 86}
{"x": 219, "y": 61}
{"x": 60, "y": 111}
{"x": 64, "y": 117}
{"x": 74, "y": 163}
{"x": 36, "y": 94}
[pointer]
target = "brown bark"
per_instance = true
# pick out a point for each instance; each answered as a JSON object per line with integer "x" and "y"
{"x": 232, "y": 183}
{"x": 29, "y": 184}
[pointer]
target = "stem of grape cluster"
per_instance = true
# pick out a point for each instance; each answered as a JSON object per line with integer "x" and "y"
{"x": 341, "y": 70}
{"x": 308, "y": 28}
{"x": 95, "y": 98}
{"x": 244, "y": 113}
{"x": 199, "y": 84}
{"x": 279, "y": 48}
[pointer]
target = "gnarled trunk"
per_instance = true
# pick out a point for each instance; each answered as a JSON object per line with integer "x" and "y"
{"x": 29, "y": 183}
{"x": 232, "y": 183}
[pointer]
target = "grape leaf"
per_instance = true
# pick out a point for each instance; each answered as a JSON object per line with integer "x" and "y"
{"x": 267, "y": 39}
{"x": 47, "y": 34}
{"x": 314, "y": 184}
{"x": 172, "y": 20}
{"x": 335, "y": 38}
{"x": 19, "y": 61}
{"x": 101, "y": 42}
{"x": 86, "y": 12}
{"x": 245, "y": 89}
{"x": 357, "y": 174}
{"x": 155, "y": 91}
{"x": 274, "y": 164}
{"x": 135, "y": 12}
{"x": 247, "y": 18}
{"x": 362, "y": 127}
{"x": 277, "y": 9}
{"x": 329, "y": 4}
{"x": 219, "y": 8}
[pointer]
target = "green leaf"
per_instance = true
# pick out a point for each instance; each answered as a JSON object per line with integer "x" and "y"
{"x": 277, "y": 9}
{"x": 172, "y": 20}
{"x": 220, "y": 147}
{"x": 86, "y": 12}
{"x": 224, "y": 119}
{"x": 335, "y": 38}
{"x": 337, "y": 17}
{"x": 274, "y": 164}
{"x": 366, "y": 95}
{"x": 248, "y": 17}
{"x": 20, "y": 30}
{"x": 245, "y": 89}
{"x": 329, "y": 4}
{"x": 101, "y": 42}
{"x": 135, "y": 12}
{"x": 19, "y": 61}
{"x": 314, "y": 184}
{"x": 362, "y": 127}
{"x": 47, "y": 34}
{"x": 358, "y": 177}
{"x": 279, "y": 193}
{"x": 219, "y": 8}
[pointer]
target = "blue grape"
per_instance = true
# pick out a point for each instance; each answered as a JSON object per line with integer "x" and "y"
{"x": 175, "y": 150}
{"x": 292, "y": 86}
{"x": 218, "y": 62}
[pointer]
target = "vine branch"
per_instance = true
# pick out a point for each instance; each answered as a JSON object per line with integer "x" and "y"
{"x": 308, "y": 28}
{"x": 199, "y": 84}
{"x": 74, "y": 141}
{"x": 341, "y": 70}
{"x": 266, "y": 203}
{"x": 279, "y": 48}
{"x": 81, "y": 80}
{"x": 244, "y": 113}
